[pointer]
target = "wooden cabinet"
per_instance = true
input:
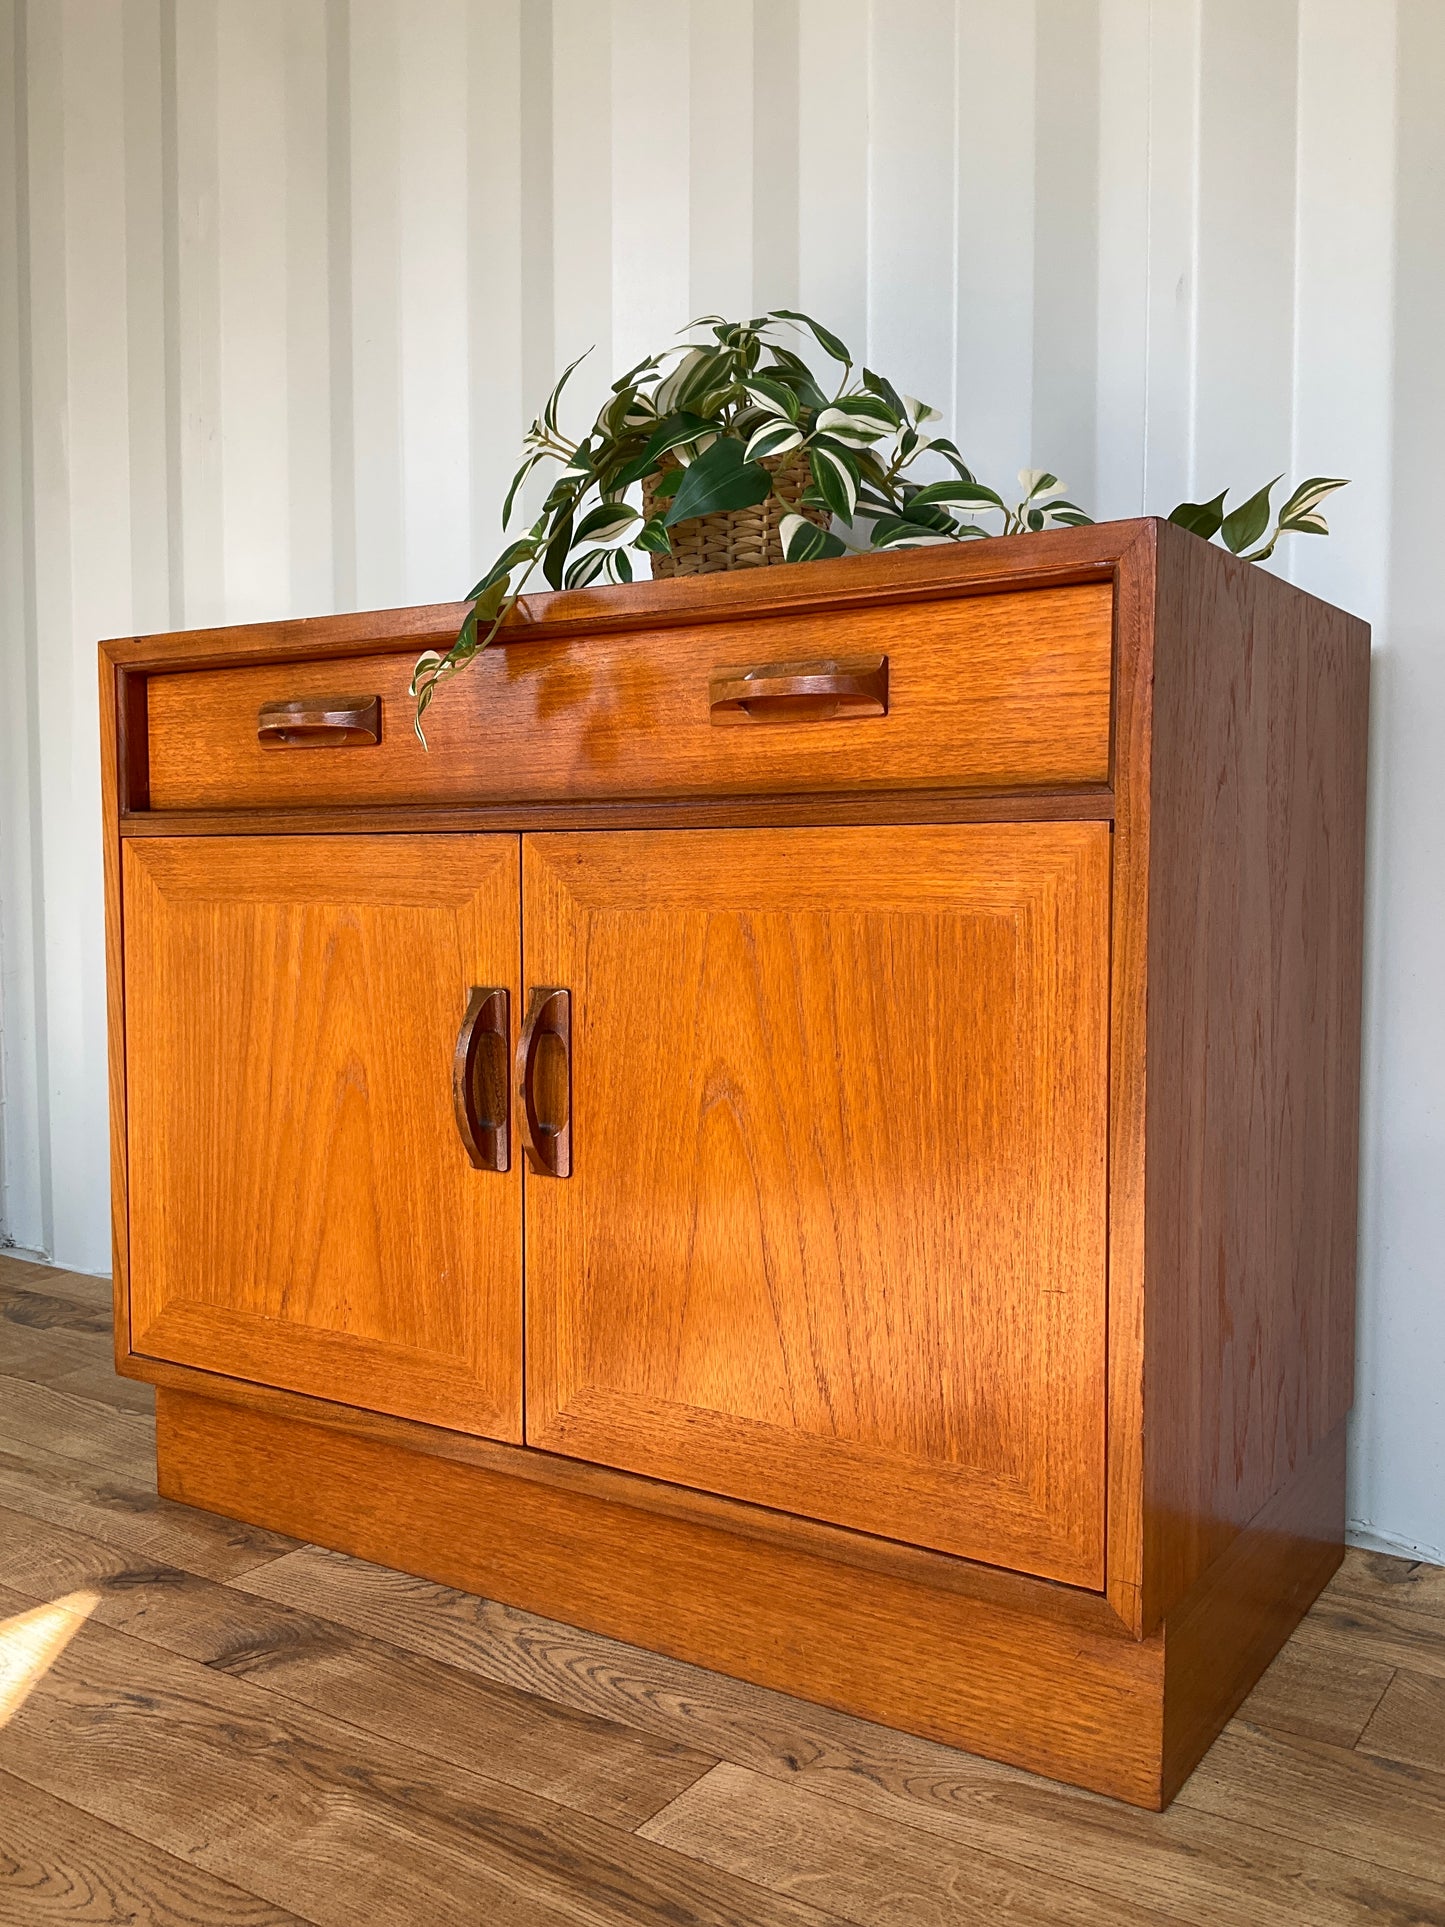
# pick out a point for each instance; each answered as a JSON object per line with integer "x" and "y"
{"x": 813, "y": 1130}
{"x": 834, "y": 1236}
{"x": 302, "y": 1213}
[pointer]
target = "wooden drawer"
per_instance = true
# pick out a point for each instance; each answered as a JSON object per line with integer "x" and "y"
{"x": 984, "y": 692}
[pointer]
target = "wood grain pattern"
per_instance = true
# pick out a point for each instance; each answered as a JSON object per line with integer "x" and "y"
{"x": 1214, "y": 1872}
{"x": 302, "y": 1211}
{"x": 907, "y": 1823}
{"x": 900, "y": 578}
{"x": 347, "y": 1829}
{"x": 1256, "y": 858}
{"x": 58, "y": 1865}
{"x": 33, "y": 1414}
{"x": 1368, "y": 1623}
{"x": 834, "y": 1238}
{"x": 20, "y": 1274}
{"x": 124, "y": 1508}
{"x": 1079, "y": 803}
{"x": 1220, "y": 1638}
{"x": 864, "y": 1866}
{"x": 582, "y": 1761}
{"x": 1316, "y": 1690}
{"x": 840, "y": 1546}
{"x": 51, "y": 1311}
{"x": 1324, "y": 1798}
{"x": 1076, "y": 1704}
{"x": 122, "y": 744}
{"x": 70, "y": 1361}
{"x": 1221, "y": 732}
{"x": 1373, "y": 1576}
{"x": 1134, "y": 623}
{"x": 1408, "y": 1725}
{"x": 628, "y": 716}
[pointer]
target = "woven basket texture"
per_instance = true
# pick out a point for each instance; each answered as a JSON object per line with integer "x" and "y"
{"x": 737, "y": 538}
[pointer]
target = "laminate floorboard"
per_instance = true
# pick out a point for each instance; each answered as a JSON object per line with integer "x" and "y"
{"x": 59, "y": 1868}
{"x": 215, "y": 1724}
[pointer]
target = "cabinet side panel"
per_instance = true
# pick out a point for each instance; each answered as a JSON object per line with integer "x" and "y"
{"x": 1256, "y": 914}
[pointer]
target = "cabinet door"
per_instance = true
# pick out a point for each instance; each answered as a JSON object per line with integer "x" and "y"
{"x": 302, "y": 1210}
{"x": 834, "y": 1235}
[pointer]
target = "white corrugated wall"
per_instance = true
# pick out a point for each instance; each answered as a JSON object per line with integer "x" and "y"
{"x": 280, "y": 281}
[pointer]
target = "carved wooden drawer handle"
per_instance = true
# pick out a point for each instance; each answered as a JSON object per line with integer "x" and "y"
{"x": 544, "y": 1083}
{"x": 480, "y": 1095}
{"x": 319, "y": 722}
{"x": 800, "y": 692}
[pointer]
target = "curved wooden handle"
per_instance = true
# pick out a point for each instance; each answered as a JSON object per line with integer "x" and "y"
{"x": 319, "y": 722}
{"x": 479, "y": 1081}
{"x": 544, "y": 1083}
{"x": 800, "y": 692}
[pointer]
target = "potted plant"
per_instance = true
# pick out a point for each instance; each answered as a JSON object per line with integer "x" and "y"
{"x": 739, "y": 456}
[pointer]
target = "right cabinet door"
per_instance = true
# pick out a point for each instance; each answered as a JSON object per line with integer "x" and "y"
{"x": 833, "y": 1238}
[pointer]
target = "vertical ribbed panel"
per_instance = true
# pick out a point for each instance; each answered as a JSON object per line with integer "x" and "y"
{"x": 281, "y": 282}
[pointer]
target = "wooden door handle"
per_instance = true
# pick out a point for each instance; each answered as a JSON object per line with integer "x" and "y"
{"x": 800, "y": 692}
{"x": 544, "y": 1083}
{"x": 319, "y": 722}
{"x": 480, "y": 1095}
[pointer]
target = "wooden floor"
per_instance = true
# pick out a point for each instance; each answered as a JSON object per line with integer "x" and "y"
{"x": 204, "y": 1722}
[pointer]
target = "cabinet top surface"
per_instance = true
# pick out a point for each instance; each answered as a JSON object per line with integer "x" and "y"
{"x": 1002, "y": 563}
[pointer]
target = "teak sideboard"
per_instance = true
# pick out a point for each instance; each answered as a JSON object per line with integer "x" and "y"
{"x": 813, "y": 1130}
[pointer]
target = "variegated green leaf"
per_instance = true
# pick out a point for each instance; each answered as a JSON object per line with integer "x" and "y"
{"x": 635, "y": 374}
{"x": 517, "y": 480}
{"x": 941, "y": 445}
{"x": 792, "y": 369}
{"x": 920, "y": 413}
{"x": 1308, "y": 497}
{"x": 834, "y": 478}
{"x": 804, "y": 541}
{"x": 549, "y": 413}
{"x": 774, "y": 438}
{"x": 608, "y": 522}
{"x": 673, "y": 433}
{"x": 488, "y": 605}
{"x": 896, "y": 532}
{"x": 586, "y": 569}
{"x": 825, "y": 338}
{"x": 857, "y": 420}
{"x": 712, "y": 374}
{"x": 719, "y": 479}
{"x": 775, "y": 397}
{"x": 554, "y": 558}
{"x": 880, "y": 386}
{"x": 971, "y": 497}
{"x": 668, "y": 391}
{"x": 928, "y": 515}
{"x": 653, "y": 537}
{"x": 524, "y": 550}
{"x": 848, "y": 430}
{"x": 1036, "y": 482}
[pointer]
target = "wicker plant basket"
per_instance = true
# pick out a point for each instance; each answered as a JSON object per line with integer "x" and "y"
{"x": 738, "y": 538}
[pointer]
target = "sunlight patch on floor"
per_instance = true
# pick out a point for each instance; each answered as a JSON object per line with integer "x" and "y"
{"x": 31, "y": 1642}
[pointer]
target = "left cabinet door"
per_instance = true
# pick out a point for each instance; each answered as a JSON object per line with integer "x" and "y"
{"x": 303, "y": 1212}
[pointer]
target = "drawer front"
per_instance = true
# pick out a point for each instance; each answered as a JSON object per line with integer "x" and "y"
{"x": 983, "y": 692}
